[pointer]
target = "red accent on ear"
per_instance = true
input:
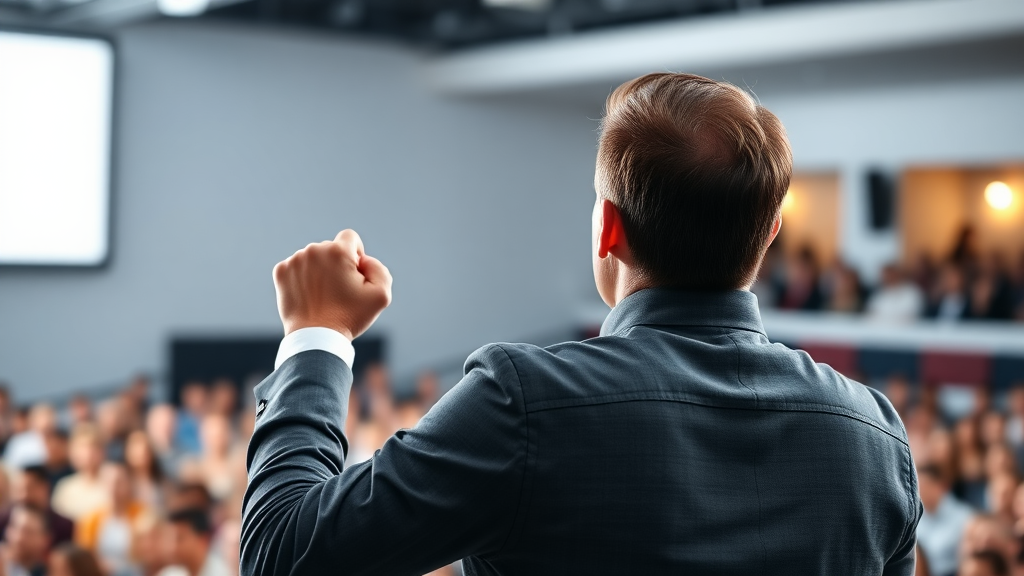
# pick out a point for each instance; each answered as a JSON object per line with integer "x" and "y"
{"x": 616, "y": 232}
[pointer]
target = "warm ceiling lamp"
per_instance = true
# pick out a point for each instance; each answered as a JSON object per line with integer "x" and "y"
{"x": 788, "y": 200}
{"x": 998, "y": 195}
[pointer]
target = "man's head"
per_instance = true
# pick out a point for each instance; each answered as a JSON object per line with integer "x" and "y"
{"x": 28, "y": 536}
{"x": 189, "y": 536}
{"x": 32, "y": 488}
{"x": 690, "y": 179}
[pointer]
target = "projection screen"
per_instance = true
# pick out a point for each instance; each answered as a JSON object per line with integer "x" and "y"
{"x": 56, "y": 98}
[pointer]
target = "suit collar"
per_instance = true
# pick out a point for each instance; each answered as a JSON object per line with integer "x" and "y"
{"x": 736, "y": 309}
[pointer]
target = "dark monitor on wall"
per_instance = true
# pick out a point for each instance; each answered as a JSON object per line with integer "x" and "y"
{"x": 56, "y": 116}
{"x": 244, "y": 361}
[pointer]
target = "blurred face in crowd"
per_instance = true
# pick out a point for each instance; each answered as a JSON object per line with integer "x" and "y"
{"x": 216, "y": 434}
{"x": 1001, "y": 490}
{"x": 951, "y": 281}
{"x": 223, "y": 397}
{"x": 80, "y": 409}
{"x": 993, "y": 428}
{"x": 27, "y": 539}
{"x": 150, "y": 550}
{"x": 976, "y": 567}
{"x": 160, "y": 426}
{"x": 86, "y": 454}
{"x": 59, "y": 566}
{"x": 985, "y": 532}
{"x": 932, "y": 489}
{"x": 897, "y": 390}
{"x": 193, "y": 398}
{"x": 42, "y": 418}
{"x": 1016, "y": 400}
{"x": 891, "y": 276}
{"x": 185, "y": 546}
{"x": 428, "y": 388}
{"x": 230, "y": 537}
{"x": 19, "y": 422}
{"x": 118, "y": 484}
{"x": 31, "y": 490}
{"x": 999, "y": 460}
{"x": 110, "y": 417}
{"x": 56, "y": 449}
{"x": 137, "y": 452}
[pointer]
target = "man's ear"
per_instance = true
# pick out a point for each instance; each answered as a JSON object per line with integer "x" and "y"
{"x": 776, "y": 226}
{"x": 611, "y": 239}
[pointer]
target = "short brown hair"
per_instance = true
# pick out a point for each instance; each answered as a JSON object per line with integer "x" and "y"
{"x": 698, "y": 170}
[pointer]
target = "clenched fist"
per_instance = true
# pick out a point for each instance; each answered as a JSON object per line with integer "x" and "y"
{"x": 334, "y": 285}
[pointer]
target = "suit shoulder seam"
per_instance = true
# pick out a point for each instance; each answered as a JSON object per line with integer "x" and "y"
{"x": 526, "y": 452}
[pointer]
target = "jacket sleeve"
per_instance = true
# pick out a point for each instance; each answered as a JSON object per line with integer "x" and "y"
{"x": 904, "y": 561}
{"x": 446, "y": 489}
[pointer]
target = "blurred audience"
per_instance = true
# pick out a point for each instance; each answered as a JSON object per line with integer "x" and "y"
{"x": 120, "y": 486}
{"x": 70, "y": 560}
{"x": 28, "y": 540}
{"x": 969, "y": 475}
{"x": 966, "y": 285}
{"x": 31, "y": 487}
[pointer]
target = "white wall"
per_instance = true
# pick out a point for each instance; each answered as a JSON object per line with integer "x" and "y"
{"x": 239, "y": 146}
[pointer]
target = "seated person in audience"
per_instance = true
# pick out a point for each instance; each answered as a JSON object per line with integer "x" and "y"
{"x": 897, "y": 390}
{"x": 79, "y": 411}
{"x": 5, "y": 489}
{"x": 229, "y": 542}
{"x": 897, "y": 299}
{"x": 942, "y": 525}
{"x": 984, "y": 563}
{"x": 144, "y": 468}
{"x": 193, "y": 408}
{"x": 161, "y": 429}
{"x": 988, "y": 533}
{"x": 219, "y": 463}
{"x": 112, "y": 424}
{"x": 999, "y": 497}
{"x": 32, "y": 488}
{"x": 1015, "y": 421}
{"x": 801, "y": 290}
{"x": 949, "y": 301}
{"x": 190, "y": 545}
{"x": 150, "y": 549}
{"x": 845, "y": 291}
{"x": 224, "y": 398}
{"x": 189, "y": 495}
{"x": 83, "y": 491}
{"x": 108, "y": 531}
{"x": 70, "y": 560}
{"x": 28, "y": 542}
{"x": 989, "y": 297}
{"x": 28, "y": 448}
{"x": 58, "y": 461}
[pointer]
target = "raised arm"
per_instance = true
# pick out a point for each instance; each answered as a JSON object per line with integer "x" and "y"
{"x": 449, "y": 488}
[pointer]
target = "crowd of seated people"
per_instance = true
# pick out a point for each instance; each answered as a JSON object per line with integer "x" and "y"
{"x": 965, "y": 285}
{"x": 970, "y": 467}
{"x": 126, "y": 487}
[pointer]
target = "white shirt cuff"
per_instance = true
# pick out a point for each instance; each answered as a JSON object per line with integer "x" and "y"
{"x": 324, "y": 339}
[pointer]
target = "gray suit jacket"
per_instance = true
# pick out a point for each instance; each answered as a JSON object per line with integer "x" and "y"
{"x": 680, "y": 441}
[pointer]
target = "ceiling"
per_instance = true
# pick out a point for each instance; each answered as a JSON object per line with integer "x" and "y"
{"x": 433, "y": 24}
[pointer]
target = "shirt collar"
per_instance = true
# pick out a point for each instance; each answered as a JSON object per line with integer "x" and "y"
{"x": 736, "y": 309}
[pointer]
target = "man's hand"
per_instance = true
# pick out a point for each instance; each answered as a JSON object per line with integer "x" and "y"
{"x": 334, "y": 285}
